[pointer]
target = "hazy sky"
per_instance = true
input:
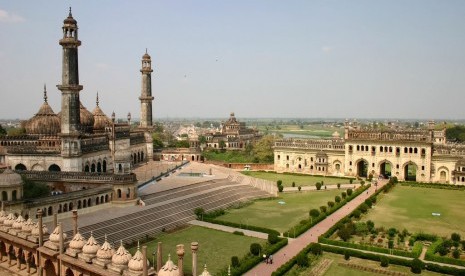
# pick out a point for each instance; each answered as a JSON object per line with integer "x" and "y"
{"x": 345, "y": 59}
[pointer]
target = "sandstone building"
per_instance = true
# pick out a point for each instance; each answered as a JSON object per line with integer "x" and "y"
{"x": 418, "y": 155}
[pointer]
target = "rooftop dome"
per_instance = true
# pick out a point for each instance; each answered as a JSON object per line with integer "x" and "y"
{"x": 55, "y": 236}
{"x": 106, "y": 251}
{"x": 121, "y": 256}
{"x": 91, "y": 247}
{"x": 87, "y": 119}
{"x": 70, "y": 20}
{"x": 169, "y": 269}
{"x": 19, "y": 222}
{"x": 28, "y": 226}
{"x": 100, "y": 119}
{"x": 205, "y": 271}
{"x": 35, "y": 230}
{"x": 10, "y": 179}
{"x": 45, "y": 122}
{"x": 136, "y": 264}
{"x": 10, "y": 219}
{"x": 146, "y": 55}
{"x": 77, "y": 242}
{"x": 336, "y": 134}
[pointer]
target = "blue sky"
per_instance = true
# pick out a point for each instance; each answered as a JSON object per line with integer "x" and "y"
{"x": 335, "y": 59}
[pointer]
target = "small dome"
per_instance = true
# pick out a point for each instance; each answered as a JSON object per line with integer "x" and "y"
{"x": 169, "y": 269}
{"x": 101, "y": 121}
{"x": 121, "y": 256}
{"x": 146, "y": 56}
{"x": 136, "y": 264}
{"x": 19, "y": 222}
{"x": 10, "y": 219}
{"x": 106, "y": 251}
{"x": 336, "y": 134}
{"x": 91, "y": 247}
{"x": 205, "y": 271}
{"x": 35, "y": 230}
{"x": 77, "y": 242}
{"x": 87, "y": 119}
{"x": 70, "y": 20}
{"x": 28, "y": 226}
{"x": 55, "y": 236}
{"x": 10, "y": 179}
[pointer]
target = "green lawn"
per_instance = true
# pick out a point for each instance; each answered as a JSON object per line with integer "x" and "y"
{"x": 300, "y": 180}
{"x": 215, "y": 247}
{"x": 271, "y": 214}
{"x": 412, "y": 208}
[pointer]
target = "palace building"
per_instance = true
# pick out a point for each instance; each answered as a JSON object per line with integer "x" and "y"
{"x": 418, "y": 155}
{"x": 75, "y": 139}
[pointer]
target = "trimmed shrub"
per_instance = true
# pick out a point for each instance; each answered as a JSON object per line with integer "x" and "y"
{"x": 314, "y": 213}
{"x": 300, "y": 188}
{"x": 273, "y": 238}
{"x": 323, "y": 209}
{"x": 235, "y": 261}
{"x": 293, "y": 184}
{"x": 356, "y": 213}
{"x": 349, "y": 192}
{"x": 315, "y": 248}
{"x": 344, "y": 195}
{"x": 239, "y": 233}
{"x": 346, "y": 255}
{"x": 279, "y": 183}
{"x": 416, "y": 266}
{"x": 318, "y": 185}
{"x": 255, "y": 249}
{"x": 456, "y": 254}
{"x": 455, "y": 237}
{"x": 384, "y": 261}
{"x": 280, "y": 188}
{"x": 337, "y": 199}
{"x": 330, "y": 204}
{"x": 338, "y": 185}
{"x": 302, "y": 260}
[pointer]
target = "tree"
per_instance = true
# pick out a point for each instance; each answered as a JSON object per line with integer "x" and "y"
{"x": 370, "y": 225}
{"x": 302, "y": 260}
{"x": 357, "y": 213}
{"x": 279, "y": 183}
{"x": 235, "y": 261}
{"x": 157, "y": 140}
{"x": 346, "y": 255}
{"x": 273, "y": 238}
{"x": 34, "y": 190}
{"x": 330, "y": 204}
{"x": 316, "y": 250}
{"x": 300, "y": 188}
{"x": 280, "y": 188}
{"x": 456, "y": 254}
{"x": 255, "y": 249}
{"x": 323, "y": 209}
{"x": 263, "y": 149}
{"x": 392, "y": 232}
{"x": 384, "y": 261}
{"x": 349, "y": 192}
{"x": 199, "y": 212}
{"x": 416, "y": 266}
{"x": 202, "y": 139}
{"x": 455, "y": 237}
{"x": 314, "y": 213}
{"x": 344, "y": 195}
{"x": 338, "y": 185}
{"x": 222, "y": 144}
{"x": 391, "y": 244}
{"x": 318, "y": 185}
{"x": 2, "y": 131}
{"x": 456, "y": 133}
{"x": 344, "y": 233}
{"x": 337, "y": 199}
{"x": 16, "y": 131}
{"x": 363, "y": 207}
{"x": 293, "y": 184}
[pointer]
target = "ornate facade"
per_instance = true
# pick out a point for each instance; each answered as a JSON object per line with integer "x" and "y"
{"x": 75, "y": 139}
{"x": 420, "y": 155}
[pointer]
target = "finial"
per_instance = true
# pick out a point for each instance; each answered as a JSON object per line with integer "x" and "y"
{"x": 45, "y": 93}
{"x": 146, "y": 50}
{"x": 121, "y": 242}
{"x": 138, "y": 245}
{"x": 205, "y": 267}
{"x": 91, "y": 233}
{"x": 70, "y": 15}
{"x": 229, "y": 270}
{"x": 105, "y": 237}
{"x": 169, "y": 257}
{"x": 97, "y": 99}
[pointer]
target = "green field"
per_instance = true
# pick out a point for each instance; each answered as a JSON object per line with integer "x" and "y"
{"x": 271, "y": 214}
{"x": 337, "y": 270}
{"x": 300, "y": 180}
{"x": 412, "y": 208}
{"x": 215, "y": 247}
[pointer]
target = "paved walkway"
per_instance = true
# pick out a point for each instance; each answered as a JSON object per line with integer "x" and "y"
{"x": 224, "y": 228}
{"x": 294, "y": 247}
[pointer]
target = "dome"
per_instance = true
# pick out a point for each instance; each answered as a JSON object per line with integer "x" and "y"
{"x": 205, "y": 271}
{"x": 169, "y": 269}
{"x": 136, "y": 264}
{"x": 45, "y": 122}
{"x": 336, "y": 134}
{"x": 91, "y": 247}
{"x": 10, "y": 179}
{"x": 100, "y": 119}
{"x": 70, "y": 20}
{"x": 28, "y": 226}
{"x": 121, "y": 256}
{"x": 19, "y": 222}
{"x": 106, "y": 251}
{"x": 10, "y": 219}
{"x": 55, "y": 236}
{"x": 87, "y": 119}
{"x": 146, "y": 55}
{"x": 77, "y": 242}
{"x": 35, "y": 230}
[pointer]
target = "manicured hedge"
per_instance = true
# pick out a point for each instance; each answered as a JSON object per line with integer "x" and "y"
{"x": 248, "y": 261}
{"x": 302, "y": 228}
{"x": 445, "y": 269}
{"x": 432, "y": 256}
{"x": 434, "y": 185}
{"x": 293, "y": 261}
{"x": 242, "y": 226}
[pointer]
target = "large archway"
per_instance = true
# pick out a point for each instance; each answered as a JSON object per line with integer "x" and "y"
{"x": 362, "y": 168}
{"x": 54, "y": 168}
{"x": 20, "y": 167}
{"x": 410, "y": 172}
{"x": 385, "y": 169}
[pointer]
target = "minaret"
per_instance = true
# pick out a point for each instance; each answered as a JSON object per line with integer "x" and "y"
{"x": 70, "y": 88}
{"x": 146, "y": 93}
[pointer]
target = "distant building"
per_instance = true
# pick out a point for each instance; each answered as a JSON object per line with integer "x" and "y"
{"x": 233, "y": 135}
{"x": 417, "y": 155}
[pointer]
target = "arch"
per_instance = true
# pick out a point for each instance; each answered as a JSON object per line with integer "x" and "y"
{"x": 54, "y": 168}
{"x": 20, "y": 167}
{"x": 385, "y": 168}
{"x": 79, "y": 204}
{"x": 138, "y": 157}
{"x": 14, "y": 195}
{"x": 119, "y": 193}
{"x": 65, "y": 207}
{"x": 362, "y": 168}
{"x": 69, "y": 272}
{"x": 49, "y": 268}
{"x": 99, "y": 166}
{"x": 86, "y": 168}
{"x": 106, "y": 198}
{"x": 84, "y": 203}
{"x": 443, "y": 174}
{"x": 89, "y": 202}
{"x": 4, "y": 196}
{"x": 128, "y": 193}
{"x": 60, "y": 209}
{"x": 70, "y": 206}
{"x": 134, "y": 158}
{"x": 97, "y": 201}
{"x": 104, "y": 165}
{"x": 410, "y": 171}
{"x": 102, "y": 199}
{"x": 300, "y": 166}
{"x": 142, "y": 156}
{"x": 92, "y": 167}
{"x": 120, "y": 168}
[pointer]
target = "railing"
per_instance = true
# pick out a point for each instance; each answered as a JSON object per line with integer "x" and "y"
{"x": 78, "y": 176}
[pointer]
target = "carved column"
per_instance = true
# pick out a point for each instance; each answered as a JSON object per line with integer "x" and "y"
{"x": 159, "y": 257}
{"x": 194, "y": 248}
{"x": 180, "y": 252}
{"x": 75, "y": 225}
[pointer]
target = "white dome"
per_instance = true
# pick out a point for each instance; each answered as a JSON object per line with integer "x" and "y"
{"x": 91, "y": 247}
{"x": 106, "y": 251}
{"x": 169, "y": 269}
{"x": 10, "y": 219}
{"x": 28, "y": 226}
{"x": 35, "y": 230}
{"x": 55, "y": 236}
{"x": 205, "y": 272}
{"x": 77, "y": 242}
{"x": 136, "y": 264}
{"x": 121, "y": 256}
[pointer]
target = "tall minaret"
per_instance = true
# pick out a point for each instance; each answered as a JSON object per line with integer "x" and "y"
{"x": 146, "y": 93}
{"x": 70, "y": 104}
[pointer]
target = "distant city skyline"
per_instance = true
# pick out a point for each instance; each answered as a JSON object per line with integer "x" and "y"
{"x": 259, "y": 59}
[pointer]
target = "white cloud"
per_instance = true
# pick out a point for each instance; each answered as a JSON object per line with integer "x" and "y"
{"x": 327, "y": 49}
{"x": 10, "y": 17}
